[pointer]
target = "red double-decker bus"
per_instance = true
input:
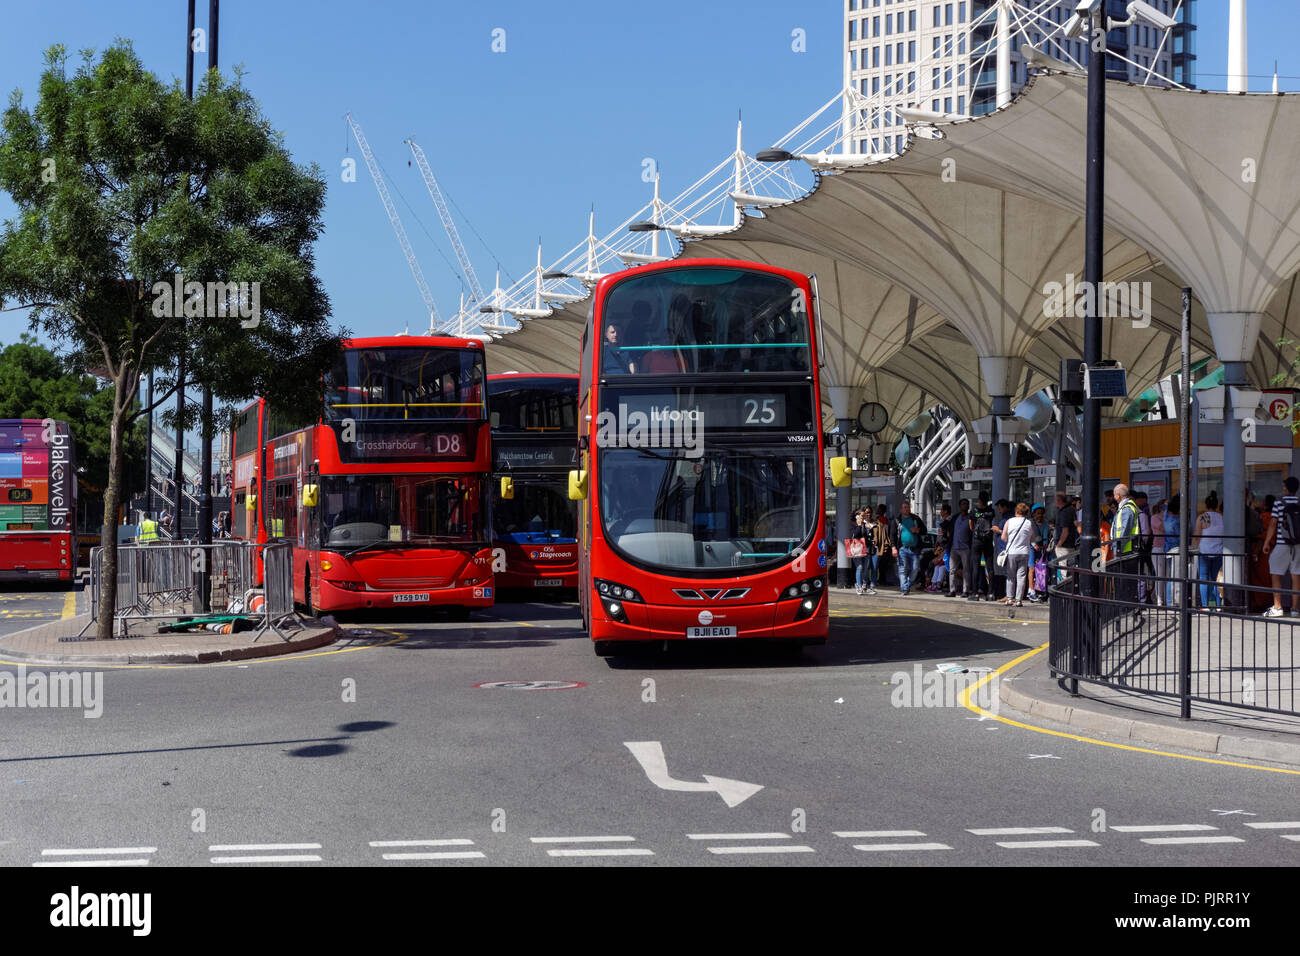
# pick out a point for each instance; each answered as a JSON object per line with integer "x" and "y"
{"x": 700, "y": 447}
{"x": 38, "y": 501}
{"x": 385, "y": 499}
{"x": 534, "y": 522}
{"x": 248, "y": 440}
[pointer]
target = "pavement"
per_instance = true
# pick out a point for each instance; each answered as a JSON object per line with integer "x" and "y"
{"x": 58, "y": 639}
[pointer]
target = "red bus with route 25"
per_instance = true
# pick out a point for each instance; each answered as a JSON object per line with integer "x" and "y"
{"x": 702, "y": 503}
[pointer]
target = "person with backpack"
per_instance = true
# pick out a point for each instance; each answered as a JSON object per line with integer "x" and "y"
{"x": 1282, "y": 546}
{"x": 982, "y": 548}
{"x": 908, "y": 537}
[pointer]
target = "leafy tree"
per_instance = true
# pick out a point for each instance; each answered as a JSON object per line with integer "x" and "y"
{"x": 121, "y": 183}
{"x": 36, "y": 383}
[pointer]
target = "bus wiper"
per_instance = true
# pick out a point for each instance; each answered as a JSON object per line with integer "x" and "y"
{"x": 378, "y": 546}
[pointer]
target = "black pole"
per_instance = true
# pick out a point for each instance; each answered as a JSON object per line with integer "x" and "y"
{"x": 1185, "y": 517}
{"x": 148, "y": 500}
{"x": 205, "y": 453}
{"x": 179, "y": 468}
{"x": 1090, "y": 521}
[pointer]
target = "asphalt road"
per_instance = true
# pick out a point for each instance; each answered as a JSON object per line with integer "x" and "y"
{"x": 385, "y": 752}
{"x": 27, "y": 605}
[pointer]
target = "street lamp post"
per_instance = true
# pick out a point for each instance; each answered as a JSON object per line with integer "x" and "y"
{"x": 205, "y": 434}
{"x": 1090, "y": 521}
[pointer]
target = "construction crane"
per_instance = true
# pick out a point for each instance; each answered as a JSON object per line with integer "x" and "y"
{"x": 475, "y": 290}
{"x": 405, "y": 243}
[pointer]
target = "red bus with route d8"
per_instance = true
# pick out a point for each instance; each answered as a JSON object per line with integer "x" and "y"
{"x": 385, "y": 500}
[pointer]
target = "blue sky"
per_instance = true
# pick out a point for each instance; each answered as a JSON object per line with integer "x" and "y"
{"x": 525, "y": 141}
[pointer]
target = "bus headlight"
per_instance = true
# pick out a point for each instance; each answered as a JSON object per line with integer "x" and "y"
{"x": 807, "y": 607}
{"x": 613, "y": 596}
{"x": 810, "y": 588}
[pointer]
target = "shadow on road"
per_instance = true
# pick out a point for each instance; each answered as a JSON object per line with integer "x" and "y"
{"x": 876, "y": 640}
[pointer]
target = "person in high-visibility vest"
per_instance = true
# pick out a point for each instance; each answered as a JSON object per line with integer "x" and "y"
{"x": 148, "y": 530}
{"x": 1124, "y": 532}
{"x": 1124, "y": 537}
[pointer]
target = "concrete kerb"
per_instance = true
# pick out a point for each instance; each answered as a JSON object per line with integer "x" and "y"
{"x": 140, "y": 653}
{"x": 1142, "y": 731}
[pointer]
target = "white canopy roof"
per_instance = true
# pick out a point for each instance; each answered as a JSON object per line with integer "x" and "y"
{"x": 937, "y": 258}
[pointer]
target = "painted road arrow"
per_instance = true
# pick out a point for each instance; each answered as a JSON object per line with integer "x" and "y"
{"x": 650, "y": 754}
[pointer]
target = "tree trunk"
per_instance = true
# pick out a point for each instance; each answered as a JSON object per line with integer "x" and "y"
{"x": 108, "y": 536}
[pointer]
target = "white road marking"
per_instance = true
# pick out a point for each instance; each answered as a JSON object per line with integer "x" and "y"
{"x": 443, "y": 855}
{"x": 900, "y": 846}
{"x": 870, "y": 834}
{"x": 107, "y": 861}
{"x": 1043, "y": 844}
{"x": 1043, "y": 757}
{"x": 650, "y": 755}
{"x": 1291, "y": 836}
{"x": 603, "y": 851}
{"x": 1160, "y": 841}
{"x": 310, "y": 858}
{"x": 129, "y": 850}
{"x": 585, "y": 839}
{"x": 1291, "y": 825}
{"x": 1228, "y": 813}
{"x": 738, "y": 836}
{"x": 395, "y": 843}
{"x": 761, "y": 849}
{"x": 1017, "y": 831}
{"x": 1162, "y": 828}
{"x": 242, "y": 847}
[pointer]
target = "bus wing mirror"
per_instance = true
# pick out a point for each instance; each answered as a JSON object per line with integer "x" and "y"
{"x": 577, "y": 486}
{"x": 841, "y": 473}
{"x": 507, "y": 487}
{"x": 310, "y": 496}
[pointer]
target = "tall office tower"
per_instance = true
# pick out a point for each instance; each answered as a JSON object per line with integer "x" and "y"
{"x": 941, "y": 55}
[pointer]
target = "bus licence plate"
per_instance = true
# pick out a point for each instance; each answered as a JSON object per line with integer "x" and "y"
{"x": 548, "y": 582}
{"x": 729, "y": 631}
{"x": 411, "y": 598}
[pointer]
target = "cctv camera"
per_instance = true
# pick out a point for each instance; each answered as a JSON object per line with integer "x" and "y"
{"x": 1159, "y": 20}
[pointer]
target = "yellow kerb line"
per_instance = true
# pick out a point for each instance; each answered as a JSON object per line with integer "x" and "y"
{"x": 69, "y": 605}
{"x": 965, "y": 699}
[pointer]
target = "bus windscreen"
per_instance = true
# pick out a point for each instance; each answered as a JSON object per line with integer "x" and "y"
{"x": 704, "y": 320}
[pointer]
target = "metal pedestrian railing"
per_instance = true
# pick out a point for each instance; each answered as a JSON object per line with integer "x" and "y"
{"x": 162, "y": 581}
{"x": 277, "y": 573}
{"x": 1173, "y": 635}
